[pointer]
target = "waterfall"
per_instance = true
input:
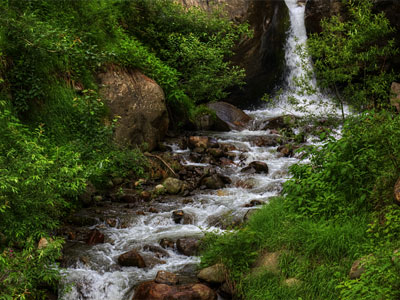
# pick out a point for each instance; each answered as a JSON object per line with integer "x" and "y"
{"x": 300, "y": 94}
{"x": 93, "y": 272}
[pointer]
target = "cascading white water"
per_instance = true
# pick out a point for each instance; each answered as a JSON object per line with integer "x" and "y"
{"x": 297, "y": 37}
{"x": 99, "y": 277}
{"x": 301, "y": 95}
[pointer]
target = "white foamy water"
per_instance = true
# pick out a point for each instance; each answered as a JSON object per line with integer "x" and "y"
{"x": 101, "y": 278}
{"x": 300, "y": 95}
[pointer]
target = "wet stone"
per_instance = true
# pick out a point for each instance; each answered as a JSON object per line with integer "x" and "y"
{"x": 131, "y": 259}
{"x": 177, "y": 216}
{"x": 165, "y": 277}
{"x": 95, "y": 237}
{"x": 167, "y": 243}
{"x": 153, "y": 210}
{"x": 160, "y": 252}
{"x": 188, "y": 246}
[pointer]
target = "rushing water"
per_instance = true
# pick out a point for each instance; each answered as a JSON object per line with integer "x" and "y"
{"x": 101, "y": 278}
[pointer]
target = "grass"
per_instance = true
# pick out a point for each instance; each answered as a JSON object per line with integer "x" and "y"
{"x": 319, "y": 253}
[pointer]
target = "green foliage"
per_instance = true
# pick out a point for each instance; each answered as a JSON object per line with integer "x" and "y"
{"x": 23, "y": 272}
{"x": 236, "y": 250}
{"x": 36, "y": 179}
{"x": 193, "y": 42}
{"x": 337, "y": 208}
{"x": 379, "y": 281}
{"x": 350, "y": 56}
{"x": 317, "y": 252}
{"x": 349, "y": 175}
{"x": 122, "y": 163}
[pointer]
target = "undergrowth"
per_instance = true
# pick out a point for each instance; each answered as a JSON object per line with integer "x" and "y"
{"x": 55, "y": 131}
{"x": 334, "y": 210}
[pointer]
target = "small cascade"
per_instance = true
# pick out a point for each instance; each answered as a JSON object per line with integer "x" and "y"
{"x": 300, "y": 94}
{"x": 93, "y": 272}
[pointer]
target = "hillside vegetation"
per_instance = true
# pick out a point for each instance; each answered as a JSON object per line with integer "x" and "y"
{"x": 337, "y": 213}
{"x": 53, "y": 134}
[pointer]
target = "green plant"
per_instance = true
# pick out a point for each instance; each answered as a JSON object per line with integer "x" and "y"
{"x": 350, "y": 55}
{"x": 23, "y": 273}
{"x": 380, "y": 280}
{"x": 344, "y": 173}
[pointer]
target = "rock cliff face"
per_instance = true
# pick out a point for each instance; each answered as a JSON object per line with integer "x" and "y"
{"x": 263, "y": 55}
{"x": 139, "y": 104}
{"x": 316, "y": 10}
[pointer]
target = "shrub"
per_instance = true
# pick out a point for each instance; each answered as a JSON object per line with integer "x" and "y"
{"x": 350, "y": 56}
{"x": 346, "y": 175}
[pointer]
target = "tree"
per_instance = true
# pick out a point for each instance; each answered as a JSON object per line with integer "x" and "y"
{"x": 350, "y": 56}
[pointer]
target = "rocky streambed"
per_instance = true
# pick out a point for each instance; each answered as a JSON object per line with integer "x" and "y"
{"x": 140, "y": 240}
{"x": 150, "y": 229}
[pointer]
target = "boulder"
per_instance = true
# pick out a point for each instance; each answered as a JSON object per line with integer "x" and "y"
{"x": 95, "y": 237}
{"x": 232, "y": 116}
{"x": 292, "y": 282}
{"x": 165, "y": 277}
{"x": 160, "y": 189}
{"x": 216, "y": 152}
{"x": 268, "y": 261}
{"x": 256, "y": 167}
{"x": 188, "y": 246}
{"x": 131, "y": 259}
{"x": 150, "y": 290}
{"x": 180, "y": 217}
{"x": 158, "y": 251}
{"x": 213, "y": 274}
{"x": 173, "y": 185}
{"x": 266, "y": 141}
{"x": 167, "y": 243}
{"x": 280, "y": 122}
{"x": 139, "y": 104}
{"x": 198, "y": 142}
{"x": 247, "y": 183}
{"x": 213, "y": 182}
{"x": 357, "y": 268}
{"x": 43, "y": 243}
{"x": 395, "y": 95}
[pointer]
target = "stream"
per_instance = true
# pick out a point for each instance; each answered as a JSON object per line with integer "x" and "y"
{"x": 94, "y": 272}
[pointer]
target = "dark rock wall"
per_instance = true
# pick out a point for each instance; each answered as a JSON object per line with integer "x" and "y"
{"x": 263, "y": 55}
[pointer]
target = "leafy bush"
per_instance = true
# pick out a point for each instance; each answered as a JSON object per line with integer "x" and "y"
{"x": 350, "y": 56}
{"x": 193, "y": 42}
{"x": 36, "y": 179}
{"x": 379, "y": 281}
{"x": 24, "y": 273}
{"x": 347, "y": 176}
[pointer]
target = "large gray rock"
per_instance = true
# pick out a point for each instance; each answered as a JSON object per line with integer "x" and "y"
{"x": 139, "y": 104}
{"x": 233, "y": 117}
{"x": 188, "y": 246}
